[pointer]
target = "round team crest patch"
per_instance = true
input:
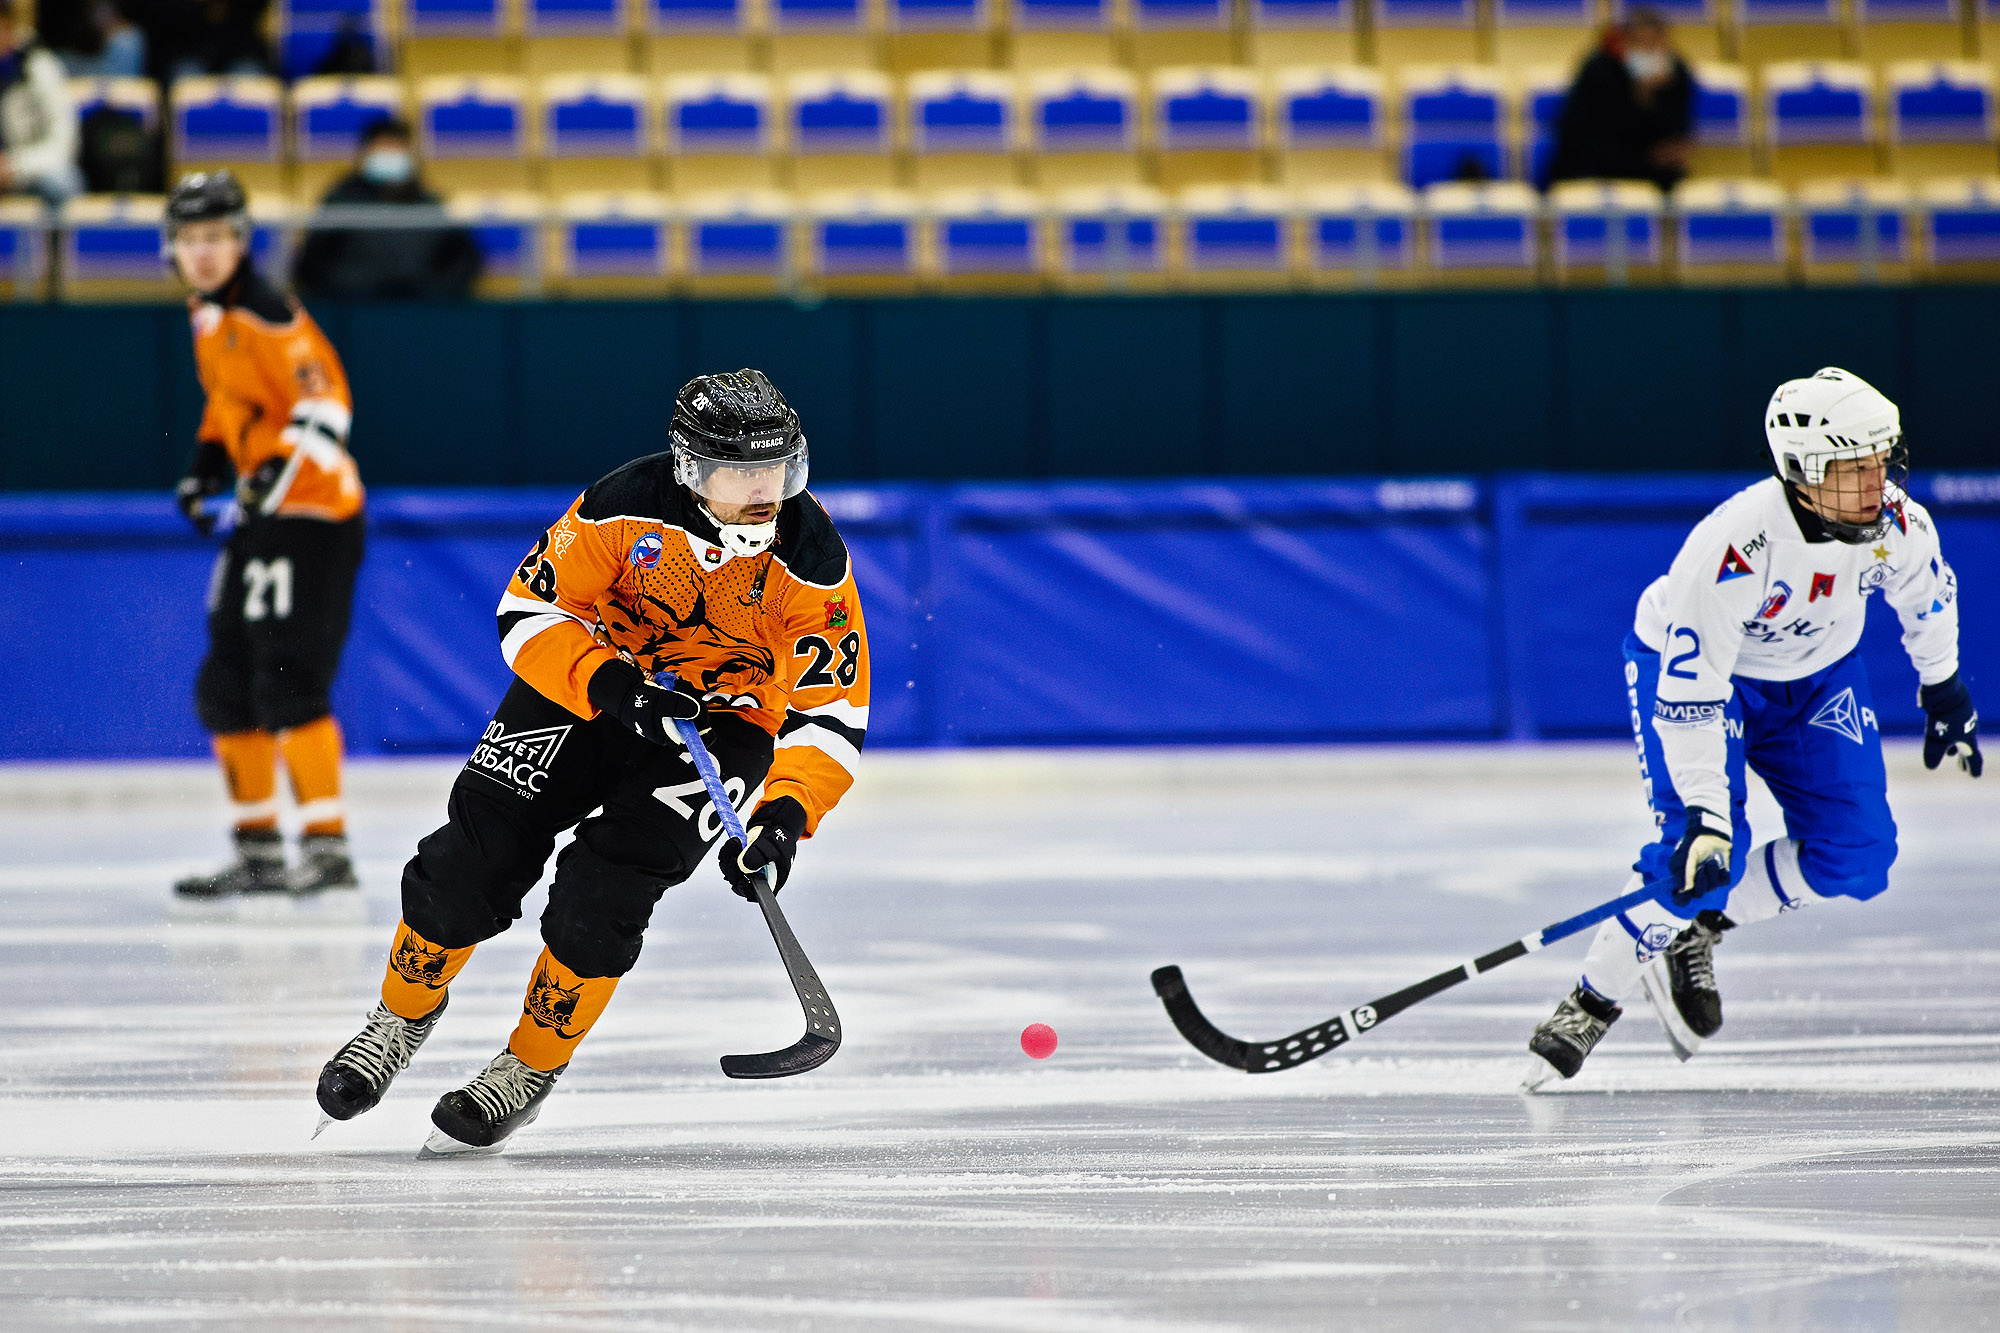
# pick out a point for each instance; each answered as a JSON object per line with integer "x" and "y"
{"x": 647, "y": 550}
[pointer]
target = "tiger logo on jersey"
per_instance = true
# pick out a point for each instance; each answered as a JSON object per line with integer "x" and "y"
{"x": 550, "y": 1004}
{"x": 417, "y": 962}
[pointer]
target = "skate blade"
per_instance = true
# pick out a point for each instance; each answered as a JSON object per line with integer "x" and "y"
{"x": 329, "y": 907}
{"x": 1540, "y": 1073}
{"x": 441, "y": 1145}
{"x": 1660, "y": 995}
{"x": 324, "y": 1121}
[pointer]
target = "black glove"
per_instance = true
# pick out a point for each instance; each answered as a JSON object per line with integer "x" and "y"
{"x": 253, "y": 490}
{"x": 775, "y": 830}
{"x": 649, "y": 711}
{"x": 1701, "y": 862}
{"x": 1951, "y": 725}
{"x": 207, "y": 475}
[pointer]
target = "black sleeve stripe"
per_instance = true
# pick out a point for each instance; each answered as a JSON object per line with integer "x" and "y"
{"x": 854, "y": 736}
{"x": 509, "y": 619}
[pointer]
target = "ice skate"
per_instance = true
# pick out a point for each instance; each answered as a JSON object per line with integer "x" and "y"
{"x": 1567, "y": 1036}
{"x": 1680, "y": 984}
{"x": 257, "y": 873}
{"x": 476, "y": 1120}
{"x": 324, "y": 886}
{"x": 359, "y": 1073}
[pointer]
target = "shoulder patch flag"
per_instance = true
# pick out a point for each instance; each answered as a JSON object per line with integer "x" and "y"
{"x": 1734, "y": 566}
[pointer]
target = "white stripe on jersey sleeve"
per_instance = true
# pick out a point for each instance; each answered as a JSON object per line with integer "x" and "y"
{"x": 841, "y": 711}
{"x": 831, "y": 744}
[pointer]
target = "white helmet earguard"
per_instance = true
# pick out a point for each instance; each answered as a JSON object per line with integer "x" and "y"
{"x": 1812, "y": 422}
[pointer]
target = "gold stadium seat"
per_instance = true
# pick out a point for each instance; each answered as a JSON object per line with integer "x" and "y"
{"x": 1890, "y": 30}
{"x": 474, "y": 133}
{"x": 24, "y": 250}
{"x": 1780, "y": 30}
{"x": 1599, "y": 229}
{"x": 721, "y": 132}
{"x": 1330, "y": 124}
{"x": 234, "y": 122}
{"x": 985, "y": 240}
{"x": 1821, "y": 120}
{"x": 863, "y": 242}
{"x": 1359, "y": 235}
{"x": 1302, "y": 32}
{"x": 454, "y": 37}
{"x": 1109, "y": 238}
{"x": 1234, "y": 237}
{"x": 963, "y": 128}
{"x": 1171, "y": 33}
{"x": 736, "y": 243}
{"x": 611, "y": 244}
{"x": 1728, "y": 123}
{"x": 507, "y": 225}
{"x": 1731, "y": 232}
{"x": 1527, "y": 32}
{"x": 1941, "y": 118}
{"x": 110, "y": 249}
{"x": 840, "y": 130}
{"x": 1424, "y": 32}
{"x": 960, "y": 35}
{"x": 1207, "y": 125}
{"x": 1483, "y": 235}
{"x": 1083, "y": 128}
{"x": 690, "y": 37}
{"x": 576, "y": 36}
{"x": 1960, "y": 221}
{"x": 821, "y": 34}
{"x": 596, "y": 133}
{"x": 1061, "y": 34}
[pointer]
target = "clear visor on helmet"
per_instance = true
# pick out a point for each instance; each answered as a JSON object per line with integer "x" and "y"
{"x": 720, "y": 483}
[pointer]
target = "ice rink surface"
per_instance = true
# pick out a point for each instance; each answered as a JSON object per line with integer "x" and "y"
{"x": 1830, "y": 1161}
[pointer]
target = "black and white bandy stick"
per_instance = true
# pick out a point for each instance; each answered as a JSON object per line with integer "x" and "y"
{"x": 1264, "y": 1057}
{"x": 822, "y": 1034}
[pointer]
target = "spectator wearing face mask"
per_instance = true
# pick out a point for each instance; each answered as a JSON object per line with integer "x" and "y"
{"x": 37, "y": 119}
{"x": 1630, "y": 113}
{"x": 420, "y": 263}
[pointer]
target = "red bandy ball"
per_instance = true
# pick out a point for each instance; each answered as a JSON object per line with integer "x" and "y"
{"x": 1038, "y": 1040}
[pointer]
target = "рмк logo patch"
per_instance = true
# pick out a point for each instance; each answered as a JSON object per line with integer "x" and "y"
{"x": 519, "y": 761}
{"x": 1841, "y": 714}
{"x": 646, "y": 551}
{"x": 1734, "y": 566}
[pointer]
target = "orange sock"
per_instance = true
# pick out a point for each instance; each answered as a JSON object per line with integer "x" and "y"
{"x": 561, "y": 1007}
{"x": 413, "y": 986}
{"x": 250, "y": 769}
{"x": 312, "y": 755}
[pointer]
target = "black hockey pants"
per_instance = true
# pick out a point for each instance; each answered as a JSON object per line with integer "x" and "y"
{"x": 278, "y": 607}
{"x": 540, "y": 769}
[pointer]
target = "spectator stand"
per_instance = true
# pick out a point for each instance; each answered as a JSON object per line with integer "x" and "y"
{"x": 597, "y": 133}
{"x": 1454, "y": 119}
{"x": 1062, "y": 34}
{"x": 1724, "y": 120}
{"x": 721, "y": 132}
{"x": 1238, "y": 237}
{"x": 941, "y": 35}
{"x": 1110, "y": 238}
{"x": 1423, "y": 32}
{"x": 1330, "y": 125}
{"x": 1174, "y": 33}
{"x": 1361, "y": 235}
{"x": 737, "y": 243}
{"x": 231, "y": 122}
{"x": 1207, "y": 126}
{"x": 314, "y": 35}
{"x": 1941, "y": 118}
{"x": 964, "y": 130}
{"x": 679, "y": 36}
{"x": 1301, "y": 33}
{"x": 1856, "y": 231}
{"x": 1083, "y": 128}
{"x": 327, "y": 118}
{"x": 1607, "y": 233}
{"x": 1536, "y": 32}
{"x": 1887, "y": 31}
{"x": 460, "y": 37}
{"x": 1485, "y": 234}
{"x": 986, "y": 241}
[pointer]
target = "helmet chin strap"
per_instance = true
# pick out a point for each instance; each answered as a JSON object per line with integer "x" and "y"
{"x": 741, "y": 538}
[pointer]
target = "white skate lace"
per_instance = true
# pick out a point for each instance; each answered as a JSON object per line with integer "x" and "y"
{"x": 1696, "y": 952}
{"x": 505, "y": 1086}
{"x": 1571, "y": 1020}
{"x": 384, "y": 1048}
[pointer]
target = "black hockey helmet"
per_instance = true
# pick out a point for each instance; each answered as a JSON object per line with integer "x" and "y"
{"x": 736, "y": 440}
{"x": 205, "y": 196}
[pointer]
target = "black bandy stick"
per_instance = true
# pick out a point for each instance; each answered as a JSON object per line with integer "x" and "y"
{"x": 822, "y": 1034}
{"x": 1309, "y": 1044}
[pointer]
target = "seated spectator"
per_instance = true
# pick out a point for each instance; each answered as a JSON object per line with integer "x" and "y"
{"x": 386, "y": 264}
{"x": 1630, "y": 113}
{"x": 37, "y": 118}
{"x": 94, "y": 39}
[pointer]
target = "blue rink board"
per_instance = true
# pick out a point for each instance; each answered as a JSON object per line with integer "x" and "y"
{"x": 1120, "y": 613}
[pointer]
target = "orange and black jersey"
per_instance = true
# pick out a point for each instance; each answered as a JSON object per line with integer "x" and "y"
{"x": 635, "y": 569}
{"x": 276, "y": 390}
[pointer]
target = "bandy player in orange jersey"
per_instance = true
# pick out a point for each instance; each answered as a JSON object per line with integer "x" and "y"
{"x": 710, "y": 561}
{"x": 276, "y": 423}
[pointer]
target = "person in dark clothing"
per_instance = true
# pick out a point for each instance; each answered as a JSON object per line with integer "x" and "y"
{"x": 1630, "y": 113}
{"x": 401, "y": 264}
{"x": 186, "y": 38}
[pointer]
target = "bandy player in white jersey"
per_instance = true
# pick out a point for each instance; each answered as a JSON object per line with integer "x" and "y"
{"x": 1744, "y": 653}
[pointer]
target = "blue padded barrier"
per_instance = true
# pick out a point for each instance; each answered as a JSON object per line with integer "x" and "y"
{"x": 1114, "y": 613}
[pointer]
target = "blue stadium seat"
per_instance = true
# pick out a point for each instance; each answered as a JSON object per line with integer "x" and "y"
{"x": 1543, "y": 90}
{"x": 23, "y": 249}
{"x": 473, "y": 131}
{"x": 1328, "y": 124}
{"x": 863, "y": 234}
{"x": 1961, "y": 221}
{"x": 454, "y": 18}
{"x": 507, "y": 228}
{"x": 1731, "y": 229}
{"x": 1084, "y": 125}
{"x": 1835, "y": 217}
{"x": 111, "y": 247}
{"x": 328, "y": 115}
{"x": 1454, "y": 119}
{"x": 740, "y": 235}
{"x": 720, "y": 131}
{"x": 1424, "y": 32}
{"x": 964, "y": 128}
{"x": 1696, "y": 27}
{"x": 232, "y": 122}
{"x": 1722, "y": 120}
{"x": 1483, "y": 232}
{"x": 986, "y": 234}
{"x": 1941, "y": 118}
{"x": 1821, "y": 119}
{"x": 596, "y": 132}
{"x": 612, "y": 241}
{"x": 308, "y": 30}
{"x": 841, "y": 126}
{"x": 1111, "y": 236}
{"x": 1301, "y": 32}
{"x": 1589, "y": 216}
{"x": 1239, "y": 234}
{"x": 1208, "y": 125}
{"x": 1362, "y": 234}
{"x": 1537, "y": 31}
{"x": 1788, "y": 30}
{"x": 583, "y": 18}
{"x": 139, "y": 97}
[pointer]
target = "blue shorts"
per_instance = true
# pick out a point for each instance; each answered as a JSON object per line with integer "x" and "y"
{"x": 1815, "y": 743}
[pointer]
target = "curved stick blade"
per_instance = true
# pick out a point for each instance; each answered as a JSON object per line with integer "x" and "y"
{"x": 1204, "y": 1036}
{"x": 811, "y": 1051}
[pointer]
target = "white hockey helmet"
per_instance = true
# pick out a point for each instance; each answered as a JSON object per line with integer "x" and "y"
{"x": 1834, "y": 414}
